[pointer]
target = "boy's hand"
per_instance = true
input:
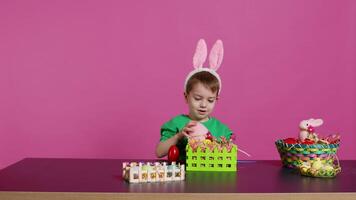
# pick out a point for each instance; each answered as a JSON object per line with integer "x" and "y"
{"x": 188, "y": 129}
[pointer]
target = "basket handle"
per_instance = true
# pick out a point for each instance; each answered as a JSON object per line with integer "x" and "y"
{"x": 337, "y": 159}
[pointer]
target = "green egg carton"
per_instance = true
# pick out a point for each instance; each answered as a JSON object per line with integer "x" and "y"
{"x": 211, "y": 160}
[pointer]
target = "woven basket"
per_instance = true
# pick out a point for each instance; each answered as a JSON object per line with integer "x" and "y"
{"x": 292, "y": 154}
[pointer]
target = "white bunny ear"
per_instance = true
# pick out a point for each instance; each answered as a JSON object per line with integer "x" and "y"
{"x": 216, "y": 55}
{"x": 316, "y": 122}
{"x": 200, "y": 55}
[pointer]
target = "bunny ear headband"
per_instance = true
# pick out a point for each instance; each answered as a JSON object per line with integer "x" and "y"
{"x": 215, "y": 59}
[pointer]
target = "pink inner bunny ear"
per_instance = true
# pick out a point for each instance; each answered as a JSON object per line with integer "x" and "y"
{"x": 200, "y": 55}
{"x": 216, "y": 55}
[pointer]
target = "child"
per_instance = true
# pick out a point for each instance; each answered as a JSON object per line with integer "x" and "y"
{"x": 201, "y": 91}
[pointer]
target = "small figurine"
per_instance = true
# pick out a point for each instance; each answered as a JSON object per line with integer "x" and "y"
{"x": 152, "y": 172}
{"x": 307, "y": 131}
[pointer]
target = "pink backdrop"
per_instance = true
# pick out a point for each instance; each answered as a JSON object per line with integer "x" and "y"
{"x": 96, "y": 79}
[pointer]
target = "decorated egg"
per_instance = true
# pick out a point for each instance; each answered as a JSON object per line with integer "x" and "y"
{"x": 317, "y": 164}
{"x": 173, "y": 153}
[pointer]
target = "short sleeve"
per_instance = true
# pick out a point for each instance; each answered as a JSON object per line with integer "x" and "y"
{"x": 168, "y": 130}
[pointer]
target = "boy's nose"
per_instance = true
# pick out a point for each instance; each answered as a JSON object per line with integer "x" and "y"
{"x": 203, "y": 104}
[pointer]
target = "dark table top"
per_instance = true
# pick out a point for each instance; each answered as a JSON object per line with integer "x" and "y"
{"x": 104, "y": 175}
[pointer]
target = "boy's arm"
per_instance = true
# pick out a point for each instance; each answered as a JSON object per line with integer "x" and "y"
{"x": 163, "y": 146}
{"x": 173, "y": 137}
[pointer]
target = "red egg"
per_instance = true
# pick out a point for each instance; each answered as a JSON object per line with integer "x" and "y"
{"x": 290, "y": 141}
{"x": 173, "y": 153}
{"x": 308, "y": 141}
{"x": 209, "y": 136}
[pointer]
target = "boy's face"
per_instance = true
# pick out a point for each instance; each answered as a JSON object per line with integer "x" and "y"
{"x": 201, "y": 101}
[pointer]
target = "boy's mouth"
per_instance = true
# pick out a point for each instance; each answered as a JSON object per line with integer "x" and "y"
{"x": 202, "y": 111}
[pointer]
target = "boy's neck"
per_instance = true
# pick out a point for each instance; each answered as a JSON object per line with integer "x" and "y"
{"x": 201, "y": 121}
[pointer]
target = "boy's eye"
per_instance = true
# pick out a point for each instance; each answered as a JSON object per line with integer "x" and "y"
{"x": 211, "y": 100}
{"x": 197, "y": 99}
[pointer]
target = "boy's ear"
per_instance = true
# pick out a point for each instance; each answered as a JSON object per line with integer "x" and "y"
{"x": 185, "y": 96}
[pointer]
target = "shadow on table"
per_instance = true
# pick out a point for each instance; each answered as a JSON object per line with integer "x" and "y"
{"x": 295, "y": 182}
{"x": 211, "y": 181}
{"x": 195, "y": 182}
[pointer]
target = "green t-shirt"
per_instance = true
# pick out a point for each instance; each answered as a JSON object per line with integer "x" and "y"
{"x": 176, "y": 124}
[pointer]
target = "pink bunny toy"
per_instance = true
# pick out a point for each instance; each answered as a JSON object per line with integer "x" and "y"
{"x": 199, "y": 132}
{"x": 307, "y": 129}
{"x": 215, "y": 59}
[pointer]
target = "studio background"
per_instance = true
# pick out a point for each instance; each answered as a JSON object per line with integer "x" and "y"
{"x": 97, "y": 79}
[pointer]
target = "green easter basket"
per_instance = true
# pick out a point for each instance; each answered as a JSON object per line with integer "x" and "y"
{"x": 207, "y": 160}
{"x": 292, "y": 154}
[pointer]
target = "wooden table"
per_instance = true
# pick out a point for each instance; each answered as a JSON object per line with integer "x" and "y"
{"x": 48, "y": 178}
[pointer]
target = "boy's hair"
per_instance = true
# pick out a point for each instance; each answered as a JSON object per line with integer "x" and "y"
{"x": 206, "y": 78}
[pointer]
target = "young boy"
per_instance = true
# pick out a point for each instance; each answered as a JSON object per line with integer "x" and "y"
{"x": 202, "y": 88}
